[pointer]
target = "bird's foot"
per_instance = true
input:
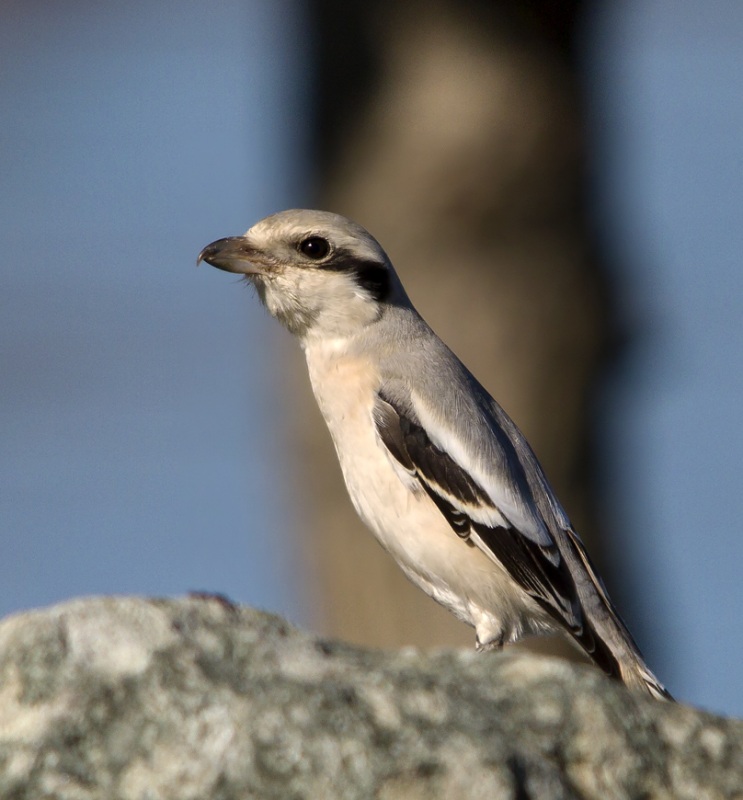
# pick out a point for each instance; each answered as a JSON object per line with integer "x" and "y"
{"x": 491, "y": 644}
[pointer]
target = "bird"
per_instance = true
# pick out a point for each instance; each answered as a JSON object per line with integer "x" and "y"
{"x": 433, "y": 465}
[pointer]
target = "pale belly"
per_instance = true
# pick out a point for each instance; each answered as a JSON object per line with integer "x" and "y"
{"x": 404, "y": 519}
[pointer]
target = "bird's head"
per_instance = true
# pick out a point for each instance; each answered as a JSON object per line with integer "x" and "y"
{"x": 318, "y": 273}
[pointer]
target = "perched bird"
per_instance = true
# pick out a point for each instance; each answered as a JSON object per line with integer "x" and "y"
{"x": 433, "y": 465}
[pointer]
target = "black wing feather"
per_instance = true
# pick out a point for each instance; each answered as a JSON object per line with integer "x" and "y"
{"x": 409, "y": 443}
{"x": 539, "y": 570}
{"x": 547, "y": 582}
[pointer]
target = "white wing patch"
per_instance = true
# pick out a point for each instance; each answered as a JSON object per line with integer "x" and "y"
{"x": 505, "y": 498}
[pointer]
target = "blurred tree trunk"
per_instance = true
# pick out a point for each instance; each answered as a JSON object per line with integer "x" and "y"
{"x": 453, "y": 132}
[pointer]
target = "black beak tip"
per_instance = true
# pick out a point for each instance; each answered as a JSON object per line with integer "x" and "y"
{"x": 208, "y": 253}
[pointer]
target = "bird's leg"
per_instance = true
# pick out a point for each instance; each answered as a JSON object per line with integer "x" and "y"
{"x": 491, "y": 644}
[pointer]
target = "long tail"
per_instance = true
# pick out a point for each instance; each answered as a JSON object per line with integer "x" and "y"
{"x": 605, "y": 638}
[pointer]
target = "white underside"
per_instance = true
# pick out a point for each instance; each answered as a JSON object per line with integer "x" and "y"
{"x": 403, "y": 518}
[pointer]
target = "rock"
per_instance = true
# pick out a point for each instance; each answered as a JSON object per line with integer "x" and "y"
{"x": 197, "y": 698}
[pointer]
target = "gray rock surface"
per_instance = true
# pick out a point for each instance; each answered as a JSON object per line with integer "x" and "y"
{"x": 195, "y": 698}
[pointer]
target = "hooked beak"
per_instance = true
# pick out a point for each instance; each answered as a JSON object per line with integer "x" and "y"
{"x": 233, "y": 254}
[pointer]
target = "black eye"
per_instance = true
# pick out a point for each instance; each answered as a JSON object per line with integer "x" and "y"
{"x": 314, "y": 247}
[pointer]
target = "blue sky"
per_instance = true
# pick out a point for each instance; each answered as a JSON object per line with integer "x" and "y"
{"x": 665, "y": 90}
{"x": 141, "y": 400}
{"x": 138, "y": 390}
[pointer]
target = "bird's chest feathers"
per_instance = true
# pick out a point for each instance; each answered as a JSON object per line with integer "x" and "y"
{"x": 345, "y": 386}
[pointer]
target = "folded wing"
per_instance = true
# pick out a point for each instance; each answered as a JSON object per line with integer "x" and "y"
{"x": 534, "y": 561}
